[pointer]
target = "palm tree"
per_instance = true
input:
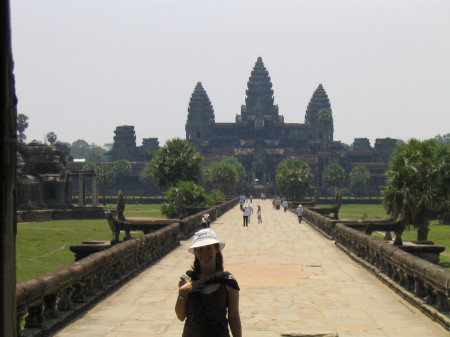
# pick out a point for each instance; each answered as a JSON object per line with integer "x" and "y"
{"x": 359, "y": 180}
{"x": 333, "y": 177}
{"x": 105, "y": 175}
{"x": 418, "y": 183}
{"x": 325, "y": 120}
{"x": 293, "y": 178}
{"x": 22, "y": 124}
{"x": 176, "y": 160}
{"x": 52, "y": 137}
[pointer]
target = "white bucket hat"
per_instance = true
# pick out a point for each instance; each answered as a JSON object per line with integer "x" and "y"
{"x": 205, "y": 237}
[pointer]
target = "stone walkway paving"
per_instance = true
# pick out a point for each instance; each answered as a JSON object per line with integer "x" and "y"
{"x": 292, "y": 279}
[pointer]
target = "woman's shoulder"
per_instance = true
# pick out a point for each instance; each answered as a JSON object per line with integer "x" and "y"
{"x": 228, "y": 275}
{"x": 230, "y": 280}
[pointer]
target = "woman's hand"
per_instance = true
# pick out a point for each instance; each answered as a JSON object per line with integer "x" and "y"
{"x": 183, "y": 292}
{"x": 190, "y": 287}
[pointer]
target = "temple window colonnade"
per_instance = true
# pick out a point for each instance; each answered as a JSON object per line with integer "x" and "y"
{"x": 83, "y": 177}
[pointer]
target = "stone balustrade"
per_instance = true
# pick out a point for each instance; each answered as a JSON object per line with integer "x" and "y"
{"x": 423, "y": 283}
{"x": 50, "y": 301}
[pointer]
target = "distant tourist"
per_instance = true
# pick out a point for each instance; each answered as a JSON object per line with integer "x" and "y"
{"x": 259, "y": 214}
{"x": 246, "y": 214}
{"x": 208, "y": 296}
{"x": 277, "y": 203}
{"x": 299, "y": 212}
{"x": 285, "y": 205}
{"x": 250, "y": 212}
{"x": 241, "y": 202}
{"x": 206, "y": 221}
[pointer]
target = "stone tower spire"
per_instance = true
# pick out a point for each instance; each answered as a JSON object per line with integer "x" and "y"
{"x": 259, "y": 100}
{"x": 201, "y": 117}
{"x": 319, "y": 101}
{"x": 124, "y": 146}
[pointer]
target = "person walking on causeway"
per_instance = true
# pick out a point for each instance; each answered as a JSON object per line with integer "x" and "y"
{"x": 247, "y": 211}
{"x": 285, "y": 205}
{"x": 259, "y": 214}
{"x": 208, "y": 296}
{"x": 299, "y": 212}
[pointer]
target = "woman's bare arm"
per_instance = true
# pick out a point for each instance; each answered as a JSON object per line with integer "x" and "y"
{"x": 183, "y": 292}
{"x": 234, "y": 317}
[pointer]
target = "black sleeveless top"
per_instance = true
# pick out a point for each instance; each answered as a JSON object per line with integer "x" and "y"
{"x": 206, "y": 314}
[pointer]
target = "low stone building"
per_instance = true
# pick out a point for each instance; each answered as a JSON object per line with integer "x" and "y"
{"x": 42, "y": 178}
{"x": 45, "y": 182}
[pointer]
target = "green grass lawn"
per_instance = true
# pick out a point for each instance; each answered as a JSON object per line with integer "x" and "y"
{"x": 142, "y": 211}
{"x": 44, "y": 246}
{"x": 362, "y": 212}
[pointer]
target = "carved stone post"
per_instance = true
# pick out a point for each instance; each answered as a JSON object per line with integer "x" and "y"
{"x": 65, "y": 299}
{"x": 35, "y": 317}
{"x": 51, "y": 307}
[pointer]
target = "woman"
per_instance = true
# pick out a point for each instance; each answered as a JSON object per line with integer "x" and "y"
{"x": 259, "y": 214}
{"x": 207, "y": 293}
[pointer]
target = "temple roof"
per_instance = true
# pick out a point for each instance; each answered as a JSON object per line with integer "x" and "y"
{"x": 259, "y": 91}
{"x": 319, "y": 101}
{"x": 200, "y": 106}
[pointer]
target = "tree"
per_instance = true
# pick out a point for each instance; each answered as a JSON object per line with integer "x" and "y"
{"x": 359, "y": 180}
{"x": 445, "y": 139}
{"x": 51, "y": 137}
{"x": 184, "y": 193}
{"x": 333, "y": 177}
{"x": 79, "y": 149}
{"x": 176, "y": 160}
{"x": 418, "y": 183}
{"x": 63, "y": 147}
{"x": 122, "y": 170}
{"x": 96, "y": 153}
{"x": 239, "y": 167}
{"x": 146, "y": 177}
{"x": 104, "y": 173}
{"x": 293, "y": 178}
{"x": 22, "y": 124}
{"x": 223, "y": 176}
{"x": 89, "y": 167}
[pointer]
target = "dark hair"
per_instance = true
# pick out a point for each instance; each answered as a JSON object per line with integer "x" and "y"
{"x": 219, "y": 261}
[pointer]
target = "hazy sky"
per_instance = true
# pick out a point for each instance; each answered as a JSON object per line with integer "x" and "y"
{"x": 84, "y": 67}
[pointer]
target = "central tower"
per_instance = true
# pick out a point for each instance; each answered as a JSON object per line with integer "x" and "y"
{"x": 259, "y": 112}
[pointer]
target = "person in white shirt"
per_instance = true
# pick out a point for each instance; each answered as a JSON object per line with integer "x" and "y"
{"x": 250, "y": 212}
{"x": 299, "y": 212}
{"x": 285, "y": 205}
{"x": 246, "y": 214}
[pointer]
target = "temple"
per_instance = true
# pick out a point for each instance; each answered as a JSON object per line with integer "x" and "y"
{"x": 260, "y": 138}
